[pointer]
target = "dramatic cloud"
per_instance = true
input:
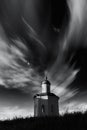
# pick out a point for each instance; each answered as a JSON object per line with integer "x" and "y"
{"x": 77, "y": 27}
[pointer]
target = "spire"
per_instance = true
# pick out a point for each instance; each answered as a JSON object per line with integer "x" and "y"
{"x": 46, "y": 78}
{"x": 46, "y": 81}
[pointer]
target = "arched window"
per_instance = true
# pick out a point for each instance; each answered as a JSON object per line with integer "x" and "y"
{"x": 43, "y": 109}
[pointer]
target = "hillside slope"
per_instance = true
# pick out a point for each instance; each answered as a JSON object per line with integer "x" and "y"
{"x": 76, "y": 121}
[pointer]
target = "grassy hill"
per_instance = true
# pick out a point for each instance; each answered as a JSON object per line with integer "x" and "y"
{"x": 76, "y": 121}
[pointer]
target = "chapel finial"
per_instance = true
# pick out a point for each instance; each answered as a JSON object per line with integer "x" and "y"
{"x": 46, "y": 77}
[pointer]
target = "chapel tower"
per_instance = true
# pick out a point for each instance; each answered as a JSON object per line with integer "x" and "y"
{"x": 46, "y": 103}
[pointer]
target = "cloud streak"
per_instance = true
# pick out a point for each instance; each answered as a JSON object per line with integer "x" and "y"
{"x": 17, "y": 70}
{"x": 15, "y": 52}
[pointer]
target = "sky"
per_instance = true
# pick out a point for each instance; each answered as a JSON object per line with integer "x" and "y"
{"x": 38, "y": 38}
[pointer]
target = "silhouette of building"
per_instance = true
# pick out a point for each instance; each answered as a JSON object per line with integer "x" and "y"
{"x": 46, "y": 103}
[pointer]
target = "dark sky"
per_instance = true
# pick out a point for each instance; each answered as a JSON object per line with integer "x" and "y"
{"x": 39, "y": 37}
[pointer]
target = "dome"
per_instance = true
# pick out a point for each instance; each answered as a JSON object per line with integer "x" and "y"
{"x": 46, "y": 81}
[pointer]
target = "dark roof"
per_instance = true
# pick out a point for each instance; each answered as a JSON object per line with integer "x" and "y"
{"x": 46, "y": 82}
{"x": 46, "y": 94}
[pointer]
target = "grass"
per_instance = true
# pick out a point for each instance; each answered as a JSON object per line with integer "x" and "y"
{"x": 75, "y": 121}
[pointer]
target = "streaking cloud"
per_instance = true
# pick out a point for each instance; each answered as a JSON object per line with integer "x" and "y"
{"x": 17, "y": 72}
{"x": 78, "y": 21}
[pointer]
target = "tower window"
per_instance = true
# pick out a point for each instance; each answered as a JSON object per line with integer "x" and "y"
{"x": 43, "y": 109}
